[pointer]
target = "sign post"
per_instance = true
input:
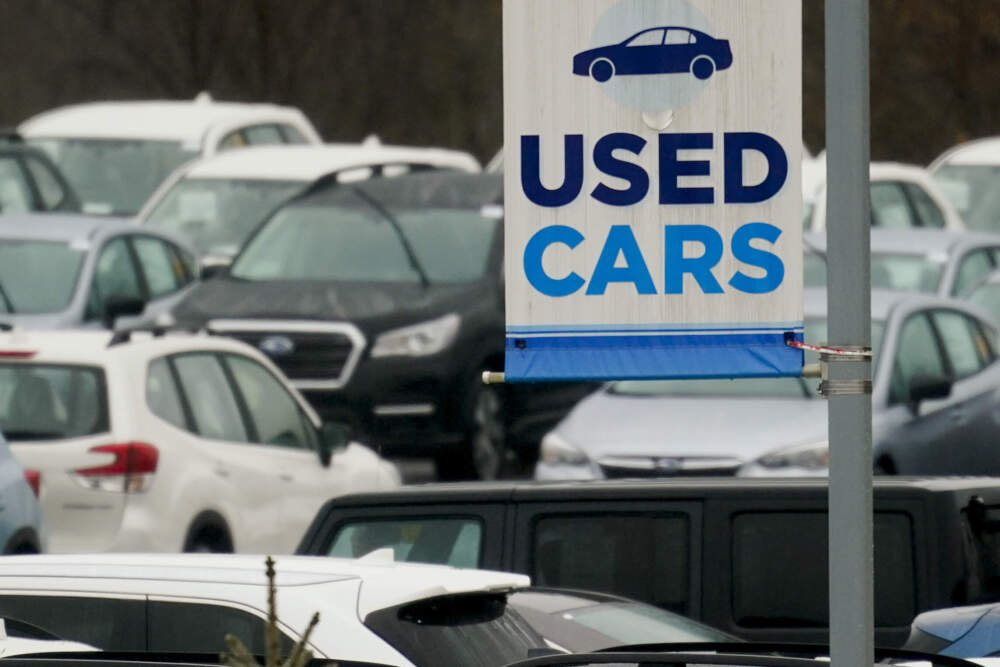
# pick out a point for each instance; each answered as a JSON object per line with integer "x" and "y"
{"x": 652, "y": 188}
{"x": 849, "y": 305}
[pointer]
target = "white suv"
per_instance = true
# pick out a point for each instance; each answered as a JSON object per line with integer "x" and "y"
{"x": 169, "y": 443}
{"x": 381, "y": 612}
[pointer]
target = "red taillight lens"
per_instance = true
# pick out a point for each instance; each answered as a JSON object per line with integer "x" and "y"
{"x": 129, "y": 472}
{"x": 34, "y": 479}
{"x": 17, "y": 354}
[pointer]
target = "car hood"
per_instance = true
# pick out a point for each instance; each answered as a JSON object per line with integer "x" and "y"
{"x": 606, "y": 424}
{"x": 370, "y": 306}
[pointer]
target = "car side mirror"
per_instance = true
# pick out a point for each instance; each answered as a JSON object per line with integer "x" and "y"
{"x": 928, "y": 387}
{"x": 211, "y": 270}
{"x": 333, "y": 437}
{"x": 117, "y": 305}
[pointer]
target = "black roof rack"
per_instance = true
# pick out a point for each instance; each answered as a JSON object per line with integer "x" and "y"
{"x": 157, "y": 330}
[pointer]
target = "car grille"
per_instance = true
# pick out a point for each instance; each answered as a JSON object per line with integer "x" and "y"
{"x": 645, "y": 467}
{"x": 323, "y": 358}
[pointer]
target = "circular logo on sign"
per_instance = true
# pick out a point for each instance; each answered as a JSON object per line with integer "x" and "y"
{"x": 653, "y": 55}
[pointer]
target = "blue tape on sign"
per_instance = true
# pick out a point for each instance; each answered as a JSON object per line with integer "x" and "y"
{"x": 538, "y": 357}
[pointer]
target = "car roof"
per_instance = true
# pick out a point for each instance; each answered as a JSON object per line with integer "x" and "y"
{"x": 912, "y": 241}
{"x": 882, "y": 300}
{"x": 163, "y": 120}
{"x": 432, "y": 189}
{"x": 308, "y": 163}
{"x": 981, "y": 152}
{"x": 384, "y": 583}
{"x": 57, "y": 226}
{"x": 814, "y": 174}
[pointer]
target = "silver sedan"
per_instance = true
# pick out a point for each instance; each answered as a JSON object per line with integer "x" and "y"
{"x": 936, "y": 407}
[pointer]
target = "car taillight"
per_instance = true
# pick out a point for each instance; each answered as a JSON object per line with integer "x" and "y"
{"x": 34, "y": 479}
{"x": 131, "y": 471}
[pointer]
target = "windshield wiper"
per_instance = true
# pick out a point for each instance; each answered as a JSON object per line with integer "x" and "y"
{"x": 6, "y": 300}
{"x": 414, "y": 262}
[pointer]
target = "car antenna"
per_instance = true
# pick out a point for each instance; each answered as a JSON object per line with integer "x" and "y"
{"x": 414, "y": 262}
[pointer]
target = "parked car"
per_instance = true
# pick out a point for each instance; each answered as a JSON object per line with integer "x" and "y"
{"x": 986, "y": 295}
{"x": 969, "y": 175}
{"x": 115, "y": 154}
{"x": 934, "y": 399}
{"x": 69, "y": 271}
{"x": 29, "y": 181}
{"x": 217, "y": 202}
{"x": 903, "y": 196}
{"x": 170, "y": 443}
{"x": 22, "y": 530}
{"x": 963, "y": 632}
{"x": 666, "y": 50}
{"x": 398, "y": 614}
{"x": 918, "y": 260}
{"x": 383, "y": 302}
{"x": 746, "y": 556}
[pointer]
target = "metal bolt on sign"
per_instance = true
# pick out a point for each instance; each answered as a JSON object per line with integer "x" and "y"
{"x": 842, "y": 353}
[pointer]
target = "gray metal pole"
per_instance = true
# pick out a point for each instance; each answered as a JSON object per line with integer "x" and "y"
{"x": 849, "y": 306}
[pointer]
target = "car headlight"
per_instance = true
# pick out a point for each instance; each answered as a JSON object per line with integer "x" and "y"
{"x": 555, "y": 449}
{"x": 418, "y": 340}
{"x": 810, "y": 456}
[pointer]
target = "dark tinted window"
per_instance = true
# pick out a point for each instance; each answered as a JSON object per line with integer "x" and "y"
{"x": 110, "y": 624}
{"x": 201, "y": 628}
{"x": 454, "y": 542}
{"x": 48, "y": 402}
{"x": 777, "y": 586}
{"x": 641, "y": 557}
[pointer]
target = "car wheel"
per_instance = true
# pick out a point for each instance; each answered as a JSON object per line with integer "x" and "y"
{"x": 884, "y": 466}
{"x": 702, "y": 67}
{"x": 602, "y": 70}
{"x": 483, "y": 453}
{"x": 209, "y": 539}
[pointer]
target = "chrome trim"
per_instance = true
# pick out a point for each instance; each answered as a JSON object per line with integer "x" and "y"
{"x": 358, "y": 343}
{"x": 405, "y": 410}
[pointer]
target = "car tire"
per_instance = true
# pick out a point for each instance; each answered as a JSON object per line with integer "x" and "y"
{"x": 602, "y": 70}
{"x": 884, "y": 466}
{"x": 208, "y": 537}
{"x": 702, "y": 67}
{"x": 483, "y": 453}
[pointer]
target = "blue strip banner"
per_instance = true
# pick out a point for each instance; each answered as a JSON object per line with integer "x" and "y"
{"x": 652, "y": 355}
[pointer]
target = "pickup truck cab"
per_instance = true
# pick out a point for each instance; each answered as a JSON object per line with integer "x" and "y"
{"x": 746, "y": 556}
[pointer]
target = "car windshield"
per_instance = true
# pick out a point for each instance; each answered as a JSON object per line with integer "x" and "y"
{"x": 344, "y": 238}
{"x": 907, "y": 272}
{"x": 114, "y": 176}
{"x": 974, "y": 191}
{"x": 473, "y": 630}
{"x": 37, "y": 276}
{"x": 216, "y": 215}
{"x": 578, "y": 624}
{"x": 51, "y": 402}
{"x": 987, "y": 296}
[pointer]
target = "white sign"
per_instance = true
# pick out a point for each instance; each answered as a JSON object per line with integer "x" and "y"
{"x": 652, "y": 188}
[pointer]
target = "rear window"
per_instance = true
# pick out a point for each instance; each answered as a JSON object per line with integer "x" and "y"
{"x": 775, "y": 586}
{"x": 639, "y": 556}
{"x": 454, "y": 542}
{"x": 51, "y": 402}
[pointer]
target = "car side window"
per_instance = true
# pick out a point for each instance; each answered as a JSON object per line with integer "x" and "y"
{"x": 917, "y": 354}
{"x": 292, "y": 135}
{"x": 201, "y": 628}
{"x": 958, "y": 337}
{"x": 114, "y": 276}
{"x": 972, "y": 268}
{"x": 930, "y": 214}
{"x": 50, "y": 190}
{"x": 15, "y": 193}
{"x": 676, "y": 36}
{"x": 162, "y": 396}
{"x": 214, "y": 408}
{"x": 890, "y": 207}
{"x": 439, "y": 541}
{"x": 112, "y": 624}
{"x": 648, "y": 38}
{"x": 262, "y": 135}
{"x": 234, "y": 139}
{"x": 163, "y": 274}
{"x": 276, "y": 416}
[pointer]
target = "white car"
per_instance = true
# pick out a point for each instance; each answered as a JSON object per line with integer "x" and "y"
{"x": 373, "y": 610}
{"x": 115, "y": 154}
{"x": 217, "y": 202}
{"x": 174, "y": 442}
{"x": 969, "y": 175}
{"x": 902, "y": 196}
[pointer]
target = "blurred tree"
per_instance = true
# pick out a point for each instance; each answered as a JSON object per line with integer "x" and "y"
{"x": 429, "y": 71}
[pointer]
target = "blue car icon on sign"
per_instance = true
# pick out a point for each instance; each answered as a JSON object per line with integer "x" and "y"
{"x": 666, "y": 50}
